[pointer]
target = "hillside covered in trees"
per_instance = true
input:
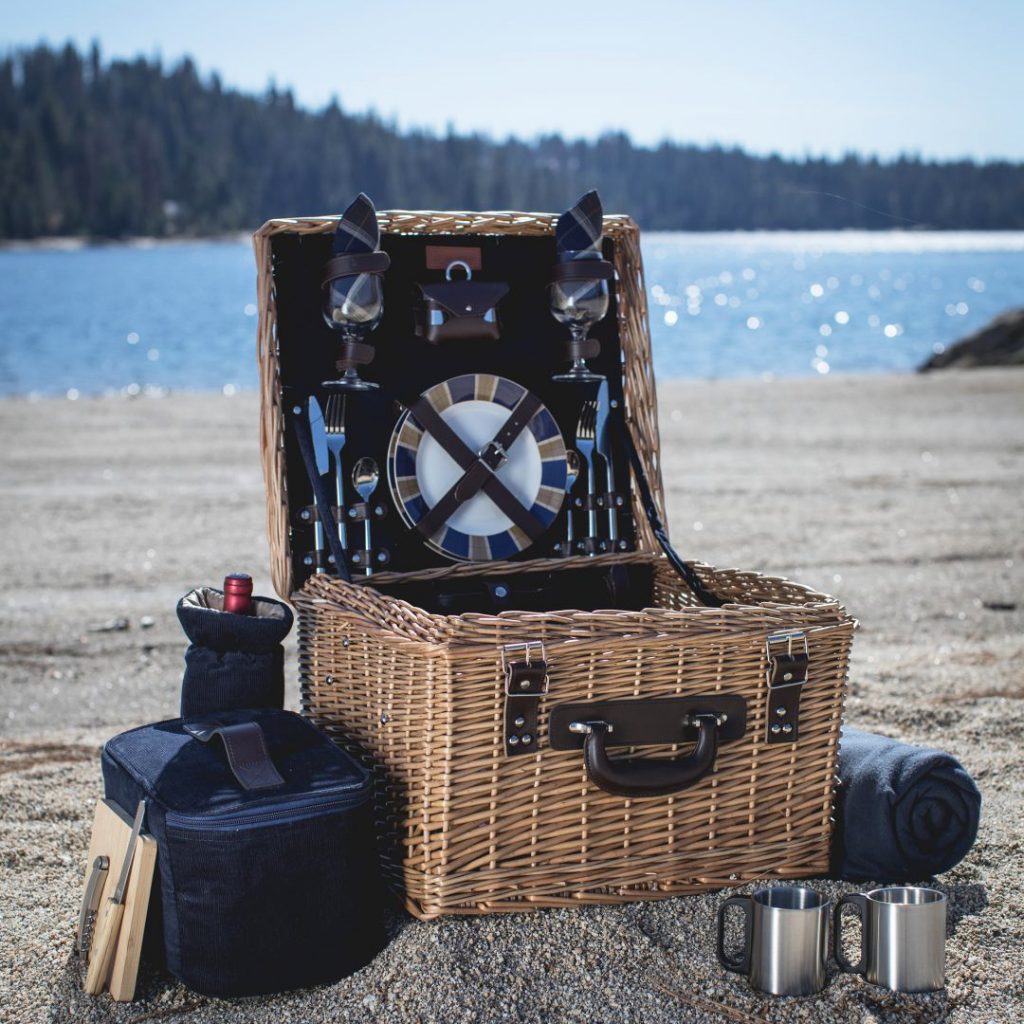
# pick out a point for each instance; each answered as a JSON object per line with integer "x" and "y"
{"x": 111, "y": 149}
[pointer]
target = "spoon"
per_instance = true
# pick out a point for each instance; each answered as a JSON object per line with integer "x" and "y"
{"x": 572, "y": 471}
{"x": 365, "y": 477}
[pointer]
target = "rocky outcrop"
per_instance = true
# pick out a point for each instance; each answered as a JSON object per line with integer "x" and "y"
{"x": 999, "y": 343}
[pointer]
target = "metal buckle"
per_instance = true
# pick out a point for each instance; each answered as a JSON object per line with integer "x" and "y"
{"x": 532, "y": 650}
{"x": 492, "y": 448}
{"x": 786, "y": 638}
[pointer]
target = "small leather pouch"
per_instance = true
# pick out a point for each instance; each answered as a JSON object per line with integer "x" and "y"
{"x": 459, "y": 309}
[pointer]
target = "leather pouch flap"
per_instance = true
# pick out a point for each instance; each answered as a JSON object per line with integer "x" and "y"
{"x": 465, "y": 298}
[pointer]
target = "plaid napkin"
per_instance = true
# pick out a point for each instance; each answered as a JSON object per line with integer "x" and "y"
{"x": 579, "y": 230}
{"x": 357, "y": 231}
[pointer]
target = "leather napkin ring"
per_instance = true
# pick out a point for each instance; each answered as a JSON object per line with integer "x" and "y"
{"x": 355, "y": 263}
{"x": 583, "y": 270}
{"x": 587, "y": 349}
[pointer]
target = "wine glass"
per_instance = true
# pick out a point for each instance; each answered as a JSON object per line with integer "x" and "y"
{"x": 579, "y": 303}
{"x": 353, "y": 305}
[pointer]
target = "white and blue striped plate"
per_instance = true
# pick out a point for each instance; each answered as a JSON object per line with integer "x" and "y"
{"x": 421, "y": 472}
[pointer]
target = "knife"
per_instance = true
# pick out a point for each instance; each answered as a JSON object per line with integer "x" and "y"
{"x": 110, "y": 922}
{"x": 604, "y": 449}
{"x": 319, "y": 432}
{"x": 91, "y": 903}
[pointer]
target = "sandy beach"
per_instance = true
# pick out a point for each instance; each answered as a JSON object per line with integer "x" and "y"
{"x": 899, "y": 494}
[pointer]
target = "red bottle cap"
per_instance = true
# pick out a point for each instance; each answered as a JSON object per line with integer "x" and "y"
{"x": 238, "y": 593}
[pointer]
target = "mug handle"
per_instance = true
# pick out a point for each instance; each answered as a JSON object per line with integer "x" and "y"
{"x": 741, "y": 965}
{"x": 859, "y": 902}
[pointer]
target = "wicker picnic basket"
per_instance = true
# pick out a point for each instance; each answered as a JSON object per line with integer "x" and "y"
{"x": 487, "y": 731}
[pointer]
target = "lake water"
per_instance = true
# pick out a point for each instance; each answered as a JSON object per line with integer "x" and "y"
{"x": 135, "y": 318}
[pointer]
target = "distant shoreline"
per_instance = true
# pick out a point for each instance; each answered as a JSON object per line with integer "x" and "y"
{"x": 72, "y": 243}
{"x": 1006, "y": 239}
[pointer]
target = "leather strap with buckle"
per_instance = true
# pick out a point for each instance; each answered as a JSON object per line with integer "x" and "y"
{"x": 526, "y": 682}
{"x": 786, "y": 677}
{"x": 479, "y": 467}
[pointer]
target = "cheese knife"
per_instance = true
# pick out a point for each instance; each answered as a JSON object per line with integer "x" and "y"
{"x": 109, "y": 923}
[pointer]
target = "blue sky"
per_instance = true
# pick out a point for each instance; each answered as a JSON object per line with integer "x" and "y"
{"x": 937, "y": 78}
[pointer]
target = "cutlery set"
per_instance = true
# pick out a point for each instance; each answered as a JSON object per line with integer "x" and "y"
{"x": 328, "y": 433}
{"x": 477, "y": 466}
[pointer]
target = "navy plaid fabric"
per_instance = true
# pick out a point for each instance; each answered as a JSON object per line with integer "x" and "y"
{"x": 357, "y": 231}
{"x": 579, "y": 230}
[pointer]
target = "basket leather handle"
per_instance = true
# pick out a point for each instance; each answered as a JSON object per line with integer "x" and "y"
{"x": 648, "y": 778}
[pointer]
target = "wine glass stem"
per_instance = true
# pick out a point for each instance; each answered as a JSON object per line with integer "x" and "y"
{"x": 579, "y": 337}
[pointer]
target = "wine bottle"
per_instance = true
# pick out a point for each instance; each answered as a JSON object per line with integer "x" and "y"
{"x": 238, "y": 593}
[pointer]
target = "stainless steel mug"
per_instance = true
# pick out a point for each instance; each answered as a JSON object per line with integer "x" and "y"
{"x": 785, "y": 939}
{"x": 902, "y": 939}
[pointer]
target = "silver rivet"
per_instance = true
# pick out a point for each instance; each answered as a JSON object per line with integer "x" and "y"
{"x": 382, "y": 556}
{"x": 500, "y": 591}
{"x": 776, "y": 729}
{"x": 351, "y": 513}
{"x": 513, "y": 741}
{"x": 781, "y": 711}
{"x": 385, "y": 718}
{"x": 330, "y": 558}
{"x": 579, "y": 503}
{"x": 308, "y": 560}
{"x": 619, "y": 501}
{"x": 527, "y": 738}
{"x": 524, "y": 684}
{"x": 614, "y": 403}
{"x": 786, "y": 678}
{"x": 328, "y": 680}
{"x": 378, "y": 510}
{"x": 787, "y": 728}
{"x": 520, "y": 722}
{"x": 297, "y": 409}
{"x": 469, "y": 309}
{"x": 623, "y": 545}
{"x": 345, "y": 641}
{"x": 306, "y": 514}
{"x": 356, "y": 558}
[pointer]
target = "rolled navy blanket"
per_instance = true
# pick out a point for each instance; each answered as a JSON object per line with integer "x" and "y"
{"x": 902, "y": 812}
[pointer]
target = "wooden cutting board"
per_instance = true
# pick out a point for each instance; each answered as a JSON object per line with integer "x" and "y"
{"x": 111, "y": 831}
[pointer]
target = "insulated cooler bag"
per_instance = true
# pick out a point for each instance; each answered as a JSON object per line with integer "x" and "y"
{"x": 268, "y": 873}
{"x": 545, "y": 729}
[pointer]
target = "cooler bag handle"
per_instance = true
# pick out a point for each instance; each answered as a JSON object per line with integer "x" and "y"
{"x": 245, "y": 747}
{"x": 693, "y": 581}
{"x": 714, "y": 718}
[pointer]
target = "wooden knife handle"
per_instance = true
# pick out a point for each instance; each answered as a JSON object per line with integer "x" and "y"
{"x": 107, "y": 928}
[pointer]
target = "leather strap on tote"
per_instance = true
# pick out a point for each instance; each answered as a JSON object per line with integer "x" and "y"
{"x": 478, "y": 468}
{"x": 693, "y": 581}
{"x": 246, "y": 749}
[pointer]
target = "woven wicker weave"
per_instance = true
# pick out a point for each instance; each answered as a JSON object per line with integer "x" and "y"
{"x": 467, "y": 829}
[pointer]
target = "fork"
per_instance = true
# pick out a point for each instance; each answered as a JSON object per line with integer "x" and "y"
{"x": 334, "y": 424}
{"x": 586, "y": 441}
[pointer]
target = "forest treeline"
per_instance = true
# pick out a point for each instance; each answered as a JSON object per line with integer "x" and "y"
{"x": 115, "y": 148}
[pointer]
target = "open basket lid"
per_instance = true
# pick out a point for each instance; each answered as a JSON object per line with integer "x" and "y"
{"x": 295, "y": 347}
